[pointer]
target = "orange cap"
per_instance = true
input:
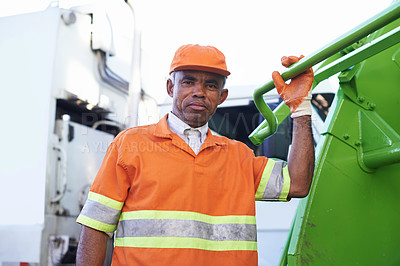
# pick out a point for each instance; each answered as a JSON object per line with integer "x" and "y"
{"x": 197, "y": 57}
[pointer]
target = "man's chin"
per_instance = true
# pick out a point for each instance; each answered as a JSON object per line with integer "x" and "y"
{"x": 196, "y": 120}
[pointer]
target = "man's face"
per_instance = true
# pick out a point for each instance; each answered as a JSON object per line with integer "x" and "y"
{"x": 196, "y": 95}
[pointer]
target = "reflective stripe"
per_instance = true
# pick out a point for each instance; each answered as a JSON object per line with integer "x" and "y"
{"x": 185, "y": 215}
{"x": 277, "y": 182}
{"x": 181, "y": 229}
{"x": 105, "y": 200}
{"x": 186, "y": 228}
{"x": 286, "y": 184}
{"x": 264, "y": 179}
{"x": 100, "y": 212}
{"x": 82, "y": 219}
{"x": 184, "y": 242}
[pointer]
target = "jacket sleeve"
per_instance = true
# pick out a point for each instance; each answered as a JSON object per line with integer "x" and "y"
{"x": 272, "y": 180}
{"x": 107, "y": 193}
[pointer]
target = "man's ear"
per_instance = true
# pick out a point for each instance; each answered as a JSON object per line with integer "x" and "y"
{"x": 170, "y": 88}
{"x": 224, "y": 95}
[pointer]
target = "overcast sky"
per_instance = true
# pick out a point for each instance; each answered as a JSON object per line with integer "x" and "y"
{"x": 253, "y": 34}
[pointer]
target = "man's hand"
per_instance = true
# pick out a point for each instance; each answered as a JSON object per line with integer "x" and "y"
{"x": 296, "y": 94}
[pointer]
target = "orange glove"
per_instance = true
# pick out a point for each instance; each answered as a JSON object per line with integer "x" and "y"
{"x": 296, "y": 94}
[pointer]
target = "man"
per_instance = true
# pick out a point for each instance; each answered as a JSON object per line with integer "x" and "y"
{"x": 179, "y": 195}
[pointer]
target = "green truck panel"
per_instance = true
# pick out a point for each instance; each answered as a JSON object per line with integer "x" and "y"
{"x": 352, "y": 213}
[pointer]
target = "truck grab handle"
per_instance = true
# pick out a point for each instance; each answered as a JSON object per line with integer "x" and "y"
{"x": 272, "y": 119}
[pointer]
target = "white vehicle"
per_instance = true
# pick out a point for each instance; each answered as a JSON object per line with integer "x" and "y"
{"x": 69, "y": 79}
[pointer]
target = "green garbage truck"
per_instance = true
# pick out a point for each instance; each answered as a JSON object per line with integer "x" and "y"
{"x": 352, "y": 213}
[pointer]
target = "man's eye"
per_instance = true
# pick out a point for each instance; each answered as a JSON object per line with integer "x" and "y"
{"x": 187, "y": 82}
{"x": 212, "y": 86}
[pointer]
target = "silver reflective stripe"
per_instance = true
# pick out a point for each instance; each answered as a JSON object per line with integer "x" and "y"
{"x": 275, "y": 182}
{"x": 186, "y": 228}
{"x": 100, "y": 212}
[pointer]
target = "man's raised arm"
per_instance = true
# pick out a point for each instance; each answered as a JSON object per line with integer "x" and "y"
{"x": 297, "y": 95}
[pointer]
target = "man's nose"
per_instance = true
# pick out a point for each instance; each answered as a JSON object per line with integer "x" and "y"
{"x": 198, "y": 90}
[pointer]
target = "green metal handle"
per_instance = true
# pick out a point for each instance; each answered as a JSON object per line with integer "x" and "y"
{"x": 271, "y": 122}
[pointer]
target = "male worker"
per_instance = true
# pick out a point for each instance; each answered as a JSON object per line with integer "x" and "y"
{"x": 178, "y": 195}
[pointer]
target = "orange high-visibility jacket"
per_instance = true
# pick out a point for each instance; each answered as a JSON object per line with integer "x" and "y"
{"x": 171, "y": 207}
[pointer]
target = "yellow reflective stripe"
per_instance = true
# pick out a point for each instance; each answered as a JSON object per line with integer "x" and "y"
{"x": 82, "y": 219}
{"x": 184, "y": 242}
{"x": 105, "y": 200}
{"x": 286, "y": 184}
{"x": 185, "y": 215}
{"x": 264, "y": 179}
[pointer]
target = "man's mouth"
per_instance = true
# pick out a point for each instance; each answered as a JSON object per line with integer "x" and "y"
{"x": 197, "y": 106}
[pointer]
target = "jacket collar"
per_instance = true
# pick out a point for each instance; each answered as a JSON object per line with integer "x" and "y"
{"x": 161, "y": 130}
